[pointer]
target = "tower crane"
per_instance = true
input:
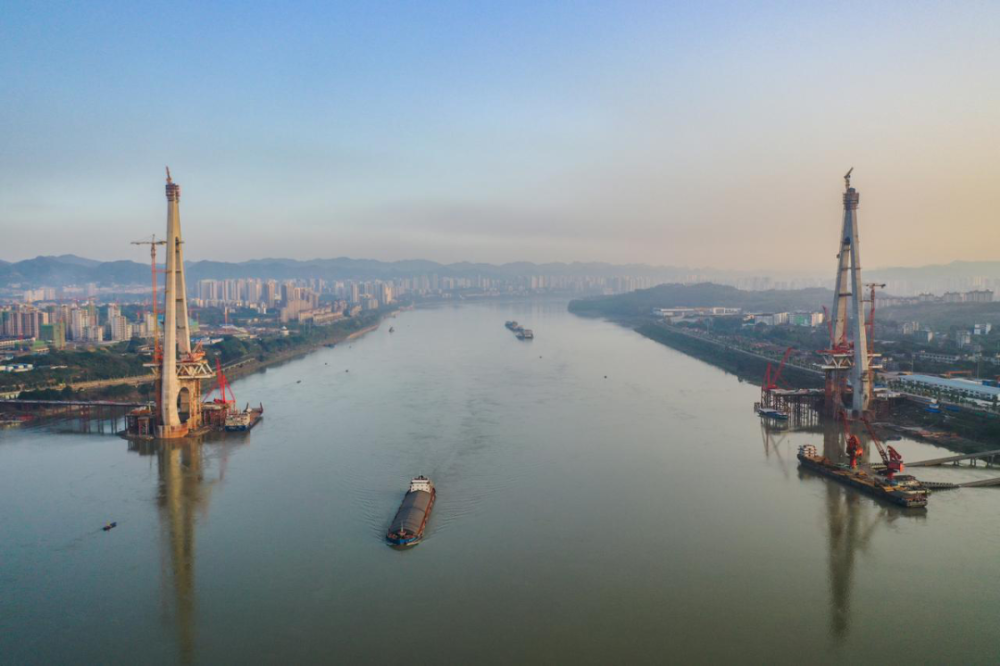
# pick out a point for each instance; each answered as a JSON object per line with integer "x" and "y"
{"x": 872, "y": 286}
{"x": 152, "y": 243}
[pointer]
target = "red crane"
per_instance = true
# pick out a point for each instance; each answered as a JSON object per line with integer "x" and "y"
{"x": 773, "y": 375}
{"x": 890, "y": 457}
{"x": 870, "y": 325}
{"x": 222, "y": 386}
{"x": 854, "y": 448}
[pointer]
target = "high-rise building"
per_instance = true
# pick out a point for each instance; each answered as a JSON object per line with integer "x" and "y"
{"x": 385, "y": 293}
{"x": 120, "y": 328}
{"x": 54, "y": 334}
{"x": 79, "y": 320}
{"x": 93, "y": 334}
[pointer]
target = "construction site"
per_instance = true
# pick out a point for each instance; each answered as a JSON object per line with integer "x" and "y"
{"x": 181, "y": 370}
{"x": 849, "y": 410}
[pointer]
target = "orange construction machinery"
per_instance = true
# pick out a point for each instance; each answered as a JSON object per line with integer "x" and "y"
{"x": 891, "y": 458}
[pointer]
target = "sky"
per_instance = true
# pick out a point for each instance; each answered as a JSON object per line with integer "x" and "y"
{"x": 703, "y": 134}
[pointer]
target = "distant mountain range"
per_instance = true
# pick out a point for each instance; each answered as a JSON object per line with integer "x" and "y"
{"x": 954, "y": 270}
{"x": 68, "y": 269}
{"x": 694, "y": 295}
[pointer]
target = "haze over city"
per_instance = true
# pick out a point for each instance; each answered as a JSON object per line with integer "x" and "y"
{"x": 707, "y": 135}
{"x": 499, "y": 333}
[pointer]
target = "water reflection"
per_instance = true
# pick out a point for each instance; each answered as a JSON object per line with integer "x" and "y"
{"x": 182, "y": 492}
{"x": 851, "y": 520}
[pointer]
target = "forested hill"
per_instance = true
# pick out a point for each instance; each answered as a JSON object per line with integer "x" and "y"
{"x": 705, "y": 294}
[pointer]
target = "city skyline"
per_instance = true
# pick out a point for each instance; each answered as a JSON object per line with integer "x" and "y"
{"x": 671, "y": 135}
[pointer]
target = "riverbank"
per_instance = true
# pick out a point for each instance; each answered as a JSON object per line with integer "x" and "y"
{"x": 747, "y": 365}
{"x": 251, "y": 365}
{"x": 139, "y": 388}
{"x": 960, "y": 431}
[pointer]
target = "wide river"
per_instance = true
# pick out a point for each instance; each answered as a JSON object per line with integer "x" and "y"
{"x": 603, "y": 499}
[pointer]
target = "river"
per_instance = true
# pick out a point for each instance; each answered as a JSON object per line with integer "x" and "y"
{"x": 602, "y": 499}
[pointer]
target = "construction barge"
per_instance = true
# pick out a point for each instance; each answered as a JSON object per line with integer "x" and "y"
{"x": 407, "y": 528}
{"x": 903, "y": 491}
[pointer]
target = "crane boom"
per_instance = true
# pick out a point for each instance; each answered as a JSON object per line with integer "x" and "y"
{"x": 152, "y": 243}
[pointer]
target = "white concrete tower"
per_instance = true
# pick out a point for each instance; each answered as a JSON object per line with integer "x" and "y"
{"x": 849, "y": 285}
{"x": 170, "y": 387}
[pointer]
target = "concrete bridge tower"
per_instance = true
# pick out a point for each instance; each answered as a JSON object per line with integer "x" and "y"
{"x": 849, "y": 354}
{"x": 182, "y": 368}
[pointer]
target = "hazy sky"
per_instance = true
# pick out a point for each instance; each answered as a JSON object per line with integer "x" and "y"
{"x": 700, "y": 134}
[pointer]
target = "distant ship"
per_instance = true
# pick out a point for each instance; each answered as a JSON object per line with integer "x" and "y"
{"x": 769, "y": 413}
{"x": 512, "y": 325}
{"x": 242, "y": 421}
{"x": 525, "y": 334}
{"x": 407, "y": 528}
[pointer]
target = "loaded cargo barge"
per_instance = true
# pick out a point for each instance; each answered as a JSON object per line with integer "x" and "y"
{"x": 521, "y": 332}
{"x": 244, "y": 420}
{"x": 876, "y": 486}
{"x": 407, "y": 528}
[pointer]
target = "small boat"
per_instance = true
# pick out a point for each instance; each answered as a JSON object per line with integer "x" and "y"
{"x": 769, "y": 413}
{"x": 244, "y": 420}
{"x": 512, "y": 325}
{"x": 392, "y": 329}
{"x": 407, "y": 528}
{"x": 525, "y": 334}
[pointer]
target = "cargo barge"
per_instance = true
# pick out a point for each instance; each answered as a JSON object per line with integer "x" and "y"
{"x": 407, "y": 528}
{"x": 910, "y": 495}
{"x": 521, "y": 332}
{"x": 244, "y": 420}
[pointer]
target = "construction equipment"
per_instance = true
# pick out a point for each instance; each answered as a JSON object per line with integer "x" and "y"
{"x": 152, "y": 243}
{"x": 872, "y": 286}
{"x": 891, "y": 458}
{"x": 222, "y": 386}
{"x": 772, "y": 375}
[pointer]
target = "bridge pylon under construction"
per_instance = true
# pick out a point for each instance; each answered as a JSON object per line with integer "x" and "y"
{"x": 849, "y": 362}
{"x": 179, "y": 368}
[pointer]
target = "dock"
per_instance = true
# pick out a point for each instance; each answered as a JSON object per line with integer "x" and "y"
{"x": 989, "y": 457}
